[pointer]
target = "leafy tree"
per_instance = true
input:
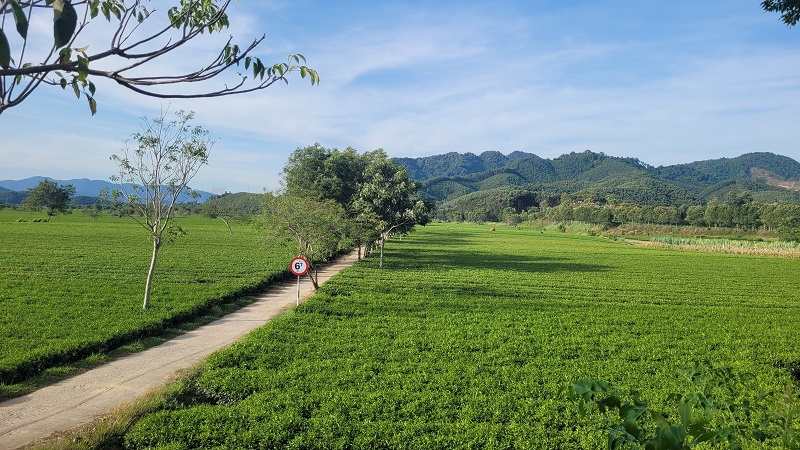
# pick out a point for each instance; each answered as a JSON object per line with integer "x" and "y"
{"x": 226, "y": 206}
{"x": 789, "y": 9}
{"x": 387, "y": 199}
{"x": 317, "y": 226}
{"x": 331, "y": 174}
{"x": 324, "y": 173}
{"x": 138, "y": 41}
{"x": 789, "y": 229}
{"x": 155, "y": 173}
{"x": 48, "y": 194}
{"x": 695, "y": 216}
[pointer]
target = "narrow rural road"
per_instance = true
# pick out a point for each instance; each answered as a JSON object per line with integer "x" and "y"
{"x": 83, "y": 398}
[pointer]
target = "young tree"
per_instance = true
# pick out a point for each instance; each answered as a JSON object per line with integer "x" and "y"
{"x": 131, "y": 55}
{"x": 386, "y": 199}
{"x": 48, "y": 194}
{"x": 154, "y": 172}
{"x": 317, "y": 226}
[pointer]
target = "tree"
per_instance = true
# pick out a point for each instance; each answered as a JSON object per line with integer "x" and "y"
{"x": 317, "y": 226}
{"x": 155, "y": 173}
{"x": 48, "y": 194}
{"x": 386, "y": 199}
{"x": 789, "y": 10}
{"x": 226, "y": 206}
{"x": 324, "y": 173}
{"x": 136, "y": 46}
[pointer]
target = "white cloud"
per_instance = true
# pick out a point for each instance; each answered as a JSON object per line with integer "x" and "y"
{"x": 424, "y": 79}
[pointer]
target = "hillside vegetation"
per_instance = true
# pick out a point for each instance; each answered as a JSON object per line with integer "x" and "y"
{"x": 767, "y": 177}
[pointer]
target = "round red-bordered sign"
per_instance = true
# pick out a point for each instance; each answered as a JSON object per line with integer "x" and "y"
{"x": 299, "y": 266}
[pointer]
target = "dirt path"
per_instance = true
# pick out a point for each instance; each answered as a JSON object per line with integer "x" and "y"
{"x": 80, "y": 399}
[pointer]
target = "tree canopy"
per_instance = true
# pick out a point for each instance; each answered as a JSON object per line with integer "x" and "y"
{"x": 155, "y": 170}
{"x": 140, "y": 40}
{"x": 48, "y": 194}
{"x": 376, "y": 196}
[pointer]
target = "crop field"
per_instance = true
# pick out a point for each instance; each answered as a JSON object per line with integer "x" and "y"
{"x": 469, "y": 339}
{"x": 73, "y": 286}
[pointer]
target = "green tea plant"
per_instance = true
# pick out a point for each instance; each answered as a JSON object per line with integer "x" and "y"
{"x": 66, "y": 286}
{"x": 717, "y": 406}
{"x": 470, "y": 338}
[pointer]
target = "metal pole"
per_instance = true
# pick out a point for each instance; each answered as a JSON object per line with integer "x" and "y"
{"x": 297, "y": 303}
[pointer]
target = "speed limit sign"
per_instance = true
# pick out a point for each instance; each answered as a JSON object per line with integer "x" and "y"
{"x": 299, "y": 266}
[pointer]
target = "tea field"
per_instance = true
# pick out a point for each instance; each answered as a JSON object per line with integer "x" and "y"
{"x": 469, "y": 338}
{"x": 73, "y": 286}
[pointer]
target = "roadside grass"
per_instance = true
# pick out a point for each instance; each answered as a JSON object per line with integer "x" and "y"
{"x": 468, "y": 339}
{"x": 71, "y": 288}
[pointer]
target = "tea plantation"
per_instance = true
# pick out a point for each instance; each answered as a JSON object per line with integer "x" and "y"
{"x": 469, "y": 338}
{"x": 72, "y": 287}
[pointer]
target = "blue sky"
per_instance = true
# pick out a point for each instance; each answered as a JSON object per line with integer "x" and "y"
{"x": 665, "y": 82}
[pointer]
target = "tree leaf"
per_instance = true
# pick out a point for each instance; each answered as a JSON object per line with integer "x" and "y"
{"x": 5, "y": 51}
{"x": 92, "y": 104}
{"x": 20, "y": 19}
{"x": 64, "y": 22}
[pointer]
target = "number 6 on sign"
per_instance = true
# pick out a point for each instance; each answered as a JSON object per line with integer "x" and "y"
{"x": 299, "y": 266}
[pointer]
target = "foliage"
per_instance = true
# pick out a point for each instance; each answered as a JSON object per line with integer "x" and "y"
{"x": 227, "y": 206}
{"x": 66, "y": 288}
{"x": 718, "y": 406}
{"x": 376, "y": 195}
{"x": 324, "y": 174}
{"x": 49, "y": 195}
{"x": 789, "y": 9}
{"x": 456, "y": 164}
{"x": 766, "y": 177}
{"x": 156, "y": 172}
{"x": 386, "y": 199}
{"x": 471, "y": 337}
{"x": 137, "y": 42}
{"x": 317, "y": 226}
{"x": 735, "y": 246}
{"x": 789, "y": 228}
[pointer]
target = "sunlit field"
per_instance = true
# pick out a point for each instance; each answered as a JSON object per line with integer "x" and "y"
{"x": 73, "y": 286}
{"x": 469, "y": 338}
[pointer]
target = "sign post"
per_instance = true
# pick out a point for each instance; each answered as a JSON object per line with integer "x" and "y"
{"x": 298, "y": 266}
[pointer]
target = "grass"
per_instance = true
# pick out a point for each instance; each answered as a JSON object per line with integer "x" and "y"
{"x": 724, "y": 245}
{"x": 468, "y": 339}
{"x": 72, "y": 288}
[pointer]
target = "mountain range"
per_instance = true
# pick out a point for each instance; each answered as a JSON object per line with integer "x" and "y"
{"x": 86, "y": 190}
{"x": 766, "y": 177}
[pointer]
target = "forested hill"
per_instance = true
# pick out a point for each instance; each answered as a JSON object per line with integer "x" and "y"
{"x": 767, "y": 177}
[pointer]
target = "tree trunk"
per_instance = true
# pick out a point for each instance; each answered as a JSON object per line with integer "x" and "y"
{"x": 313, "y": 276}
{"x": 149, "y": 283}
{"x": 226, "y": 224}
{"x": 381, "y": 260}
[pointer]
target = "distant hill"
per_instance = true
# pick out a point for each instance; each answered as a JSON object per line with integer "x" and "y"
{"x": 767, "y": 177}
{"x": 86, "y": 190}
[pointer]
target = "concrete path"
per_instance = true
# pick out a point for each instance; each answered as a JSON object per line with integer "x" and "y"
{"x": 81, "y": 399}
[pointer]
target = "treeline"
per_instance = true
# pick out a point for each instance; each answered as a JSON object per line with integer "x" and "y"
{"x": 514, "y": 206}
